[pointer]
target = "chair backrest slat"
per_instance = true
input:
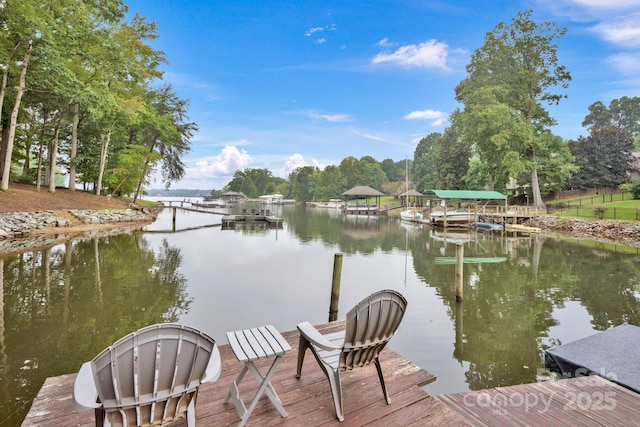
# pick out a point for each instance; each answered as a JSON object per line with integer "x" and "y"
{"x": 149, "y": 375}
{"x": 369, "y": 326}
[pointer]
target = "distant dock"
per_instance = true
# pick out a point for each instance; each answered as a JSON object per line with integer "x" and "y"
{"x": 255, "y": 216}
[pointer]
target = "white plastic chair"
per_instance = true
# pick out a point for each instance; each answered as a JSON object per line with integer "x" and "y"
{"x": 368, "y": 328}
{"x": 149, "y": 377}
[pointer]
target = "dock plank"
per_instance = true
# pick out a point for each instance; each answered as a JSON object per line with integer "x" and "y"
{"x": 308, "y": 400}
{"x": 585, "y": 401}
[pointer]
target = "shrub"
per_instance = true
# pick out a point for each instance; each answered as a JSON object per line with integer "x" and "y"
{"x": 635, "y": 189}
{"x": 599, "y": 211}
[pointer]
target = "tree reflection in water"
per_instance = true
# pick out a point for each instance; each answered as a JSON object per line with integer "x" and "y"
{"x": 63, "y": 304}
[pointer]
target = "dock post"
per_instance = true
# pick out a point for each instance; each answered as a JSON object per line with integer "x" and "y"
{"x": 459, "y": 271}
{"x": 335, "y": 287}
{"x": 173, "y": 220}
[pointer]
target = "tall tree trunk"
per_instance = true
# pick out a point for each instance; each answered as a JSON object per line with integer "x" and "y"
{"x": 3, "y": 91}
{"x": 74, "y": 147}
{"x": 535, "y": 185}
{"x": 104, "y": 144}
{"x": 45, "y": 116}
{"x": 14, "y": 118}
{"x": 52, "y": 160}
{"x": 144, "y": 170}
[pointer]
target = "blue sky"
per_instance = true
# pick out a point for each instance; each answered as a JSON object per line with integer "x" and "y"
{"x": 283, "y": 84}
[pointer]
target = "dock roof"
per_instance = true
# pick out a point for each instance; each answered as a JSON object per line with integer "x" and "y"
{"x": 465, "y": 195}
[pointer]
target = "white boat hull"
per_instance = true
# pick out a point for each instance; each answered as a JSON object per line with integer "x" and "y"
{"x": 454, "y": 217}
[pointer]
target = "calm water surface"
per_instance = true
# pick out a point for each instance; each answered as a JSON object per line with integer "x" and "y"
{"x": 63, "y": 303}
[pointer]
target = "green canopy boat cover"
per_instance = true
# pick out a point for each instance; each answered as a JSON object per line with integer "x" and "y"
{"x": 465, "y": 194}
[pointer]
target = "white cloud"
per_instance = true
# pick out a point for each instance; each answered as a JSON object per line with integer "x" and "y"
{"x": 294, "y": 162}
{"x": 608, "y": 5}
{"x": 623, "y": 30}
{"x": 313, "y": 30}
{"x": 628, "y": 64}
{"x": 385, "y": 43}
{"x": 224, "y": 164}
{"x": 321, "y": 40}
{"x": 336, "y": 117}
{"x": 438, "y": 117}
{"x": 430, "y": 54}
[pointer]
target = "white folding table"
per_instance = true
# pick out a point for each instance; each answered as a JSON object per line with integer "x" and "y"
{"x": 250, "y": 345}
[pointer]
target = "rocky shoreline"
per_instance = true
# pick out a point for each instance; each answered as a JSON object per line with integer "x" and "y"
{"x": 22, "y": 224}
{"x": 615, "y": 231}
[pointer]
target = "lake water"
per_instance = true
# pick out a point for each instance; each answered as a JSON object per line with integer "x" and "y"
{"x": 64, "y": 303}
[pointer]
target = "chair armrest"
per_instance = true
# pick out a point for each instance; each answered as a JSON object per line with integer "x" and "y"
{"x": 212, "y": 373}
{"x": 312, "y": 335}
{"x": 85, "y": 394}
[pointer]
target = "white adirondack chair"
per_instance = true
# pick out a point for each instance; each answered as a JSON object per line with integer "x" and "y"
{"x": 149, "y": 377}
{"x": 368, "y": 328}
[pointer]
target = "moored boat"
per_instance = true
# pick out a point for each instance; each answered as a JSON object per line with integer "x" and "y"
{"x": 456, "y": 217}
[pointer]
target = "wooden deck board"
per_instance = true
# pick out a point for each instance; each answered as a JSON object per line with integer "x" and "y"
{"x": 586, "y": 401}
{"x": 307, "y": 400}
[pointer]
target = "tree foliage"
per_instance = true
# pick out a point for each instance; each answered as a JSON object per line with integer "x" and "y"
{"x": 604, "y": 158}
{"x": 81, "y": 88}
{"x": 423, "y": 167}
{"x": 509, "y": 78}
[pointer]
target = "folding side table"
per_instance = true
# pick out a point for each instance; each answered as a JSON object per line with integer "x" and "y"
{"x": 248, "y": 346}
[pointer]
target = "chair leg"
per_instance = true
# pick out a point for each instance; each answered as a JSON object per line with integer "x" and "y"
{"x": 191, "y": 413}
{"x": 302, "y": 349}
{"x": 376, "y": 361}
{"x": 336, "y": 392}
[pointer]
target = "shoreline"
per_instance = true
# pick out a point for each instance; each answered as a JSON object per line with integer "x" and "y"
{"x": 58, "y": 225}
{"x": 15, "y": 225}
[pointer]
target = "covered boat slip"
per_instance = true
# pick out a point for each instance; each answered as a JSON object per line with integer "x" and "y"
{"x": 484, "y": 211}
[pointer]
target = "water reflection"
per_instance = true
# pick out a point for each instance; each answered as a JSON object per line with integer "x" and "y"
{"x": 64, "y": 301}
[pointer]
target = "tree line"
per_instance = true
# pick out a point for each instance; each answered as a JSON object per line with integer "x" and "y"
{"x": 82, "y": 92}
{"x": 82, "y": 100}
{"x": 502, "y": 136}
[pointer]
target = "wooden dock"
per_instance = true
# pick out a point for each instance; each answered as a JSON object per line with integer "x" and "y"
{"x": 307, "y": 400}
{"x": 229, "y": 221}
{"x": 585, "y": 401}
{"x": 590, "y": 401}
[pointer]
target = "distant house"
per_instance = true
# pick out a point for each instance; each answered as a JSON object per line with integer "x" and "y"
{"x": 233, "y": 197}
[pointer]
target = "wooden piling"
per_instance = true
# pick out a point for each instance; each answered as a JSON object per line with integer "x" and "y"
{"x": 173, "y": 220}
{"x": 459, "y": 271}
{"x": 335, "y": 287}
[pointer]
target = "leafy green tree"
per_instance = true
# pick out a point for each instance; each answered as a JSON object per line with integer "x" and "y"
{"x": 635, "y": 189}
{"x": 371, "y": 173}
{"x": 249, "y": 188}
{"x": 423, "y": 168}
{"x": 451, "y": 159}
{"x": 165, "y": 130}
{"x": 623, "y": 113}
{"x": 303, "y": 182}
{"x": 330, "y": 183}
{"x": 515, "y": 71}
{"x": 394, "y": 170}
{"x": 604, "y": 158}
{"x": 350, "y": 169}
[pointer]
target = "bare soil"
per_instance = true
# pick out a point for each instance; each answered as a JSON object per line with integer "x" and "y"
{"x": 25, "y": 198}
